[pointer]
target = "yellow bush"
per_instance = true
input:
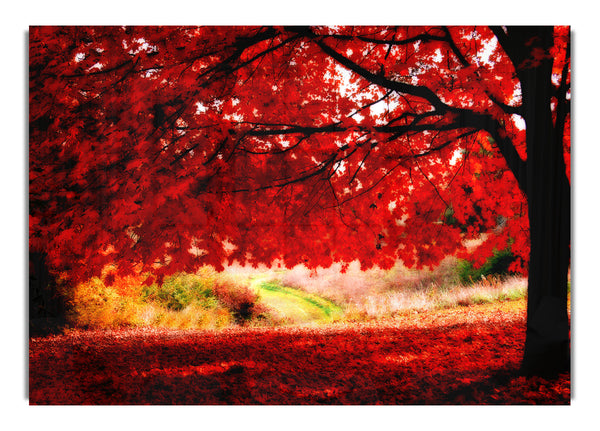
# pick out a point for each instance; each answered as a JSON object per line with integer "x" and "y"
{"x": 93, "y": 304}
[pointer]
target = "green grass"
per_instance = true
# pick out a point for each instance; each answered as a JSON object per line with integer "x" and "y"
{"x": 180, "y": 291}
{"x": 294, "y": 305}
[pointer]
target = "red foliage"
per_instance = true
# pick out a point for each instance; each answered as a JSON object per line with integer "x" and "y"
{"x": 239, "y": 298}
{"x": 462, "y": 356}
{"x": 162, "y": 149}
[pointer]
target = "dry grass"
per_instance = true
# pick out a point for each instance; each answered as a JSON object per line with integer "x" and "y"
{"x": 436, "y": 297}
{"x": 378, "y": 293}
{"x": 211, "y": 300}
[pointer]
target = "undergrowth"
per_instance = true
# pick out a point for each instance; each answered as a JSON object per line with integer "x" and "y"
{"x": 211, "y": 300}
{"x": 203, "y": 300}
{"x": 372, "y": 294}
{"x": 496, "y": 265}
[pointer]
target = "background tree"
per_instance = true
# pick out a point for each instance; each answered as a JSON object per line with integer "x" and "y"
{"x": 165, "y": 149}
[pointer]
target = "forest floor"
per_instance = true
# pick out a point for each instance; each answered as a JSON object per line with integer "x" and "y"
{"x": 461, "y": 355}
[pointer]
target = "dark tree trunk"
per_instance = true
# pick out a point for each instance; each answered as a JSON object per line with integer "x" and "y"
{"x": 47, "y": 308}
{"x": 547, "y": 346}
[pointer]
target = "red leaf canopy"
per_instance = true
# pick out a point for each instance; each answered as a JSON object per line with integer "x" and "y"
{"x": 162, "y": 149}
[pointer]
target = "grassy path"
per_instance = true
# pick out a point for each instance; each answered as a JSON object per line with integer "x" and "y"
{"x": 294, "y": 305}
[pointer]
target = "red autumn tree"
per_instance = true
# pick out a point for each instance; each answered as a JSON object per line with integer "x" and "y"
{"x": 162, "y": 149}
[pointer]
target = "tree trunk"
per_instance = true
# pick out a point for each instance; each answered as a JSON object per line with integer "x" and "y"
{"x": 47, "y": 308}
{"x": 547, "y": 345}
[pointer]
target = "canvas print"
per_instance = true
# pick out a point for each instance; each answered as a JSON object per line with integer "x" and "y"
{"x": 299, "y": 215}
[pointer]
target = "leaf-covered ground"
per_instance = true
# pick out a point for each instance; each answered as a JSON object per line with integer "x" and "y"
{"x": 466, "y": 355}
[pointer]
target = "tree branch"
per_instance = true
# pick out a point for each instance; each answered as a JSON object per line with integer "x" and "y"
{"x": 454, "y": 48}
{"x": 506, "y": 108}
{"x": 381, "y": 80}
{"x": 485, "y": 122}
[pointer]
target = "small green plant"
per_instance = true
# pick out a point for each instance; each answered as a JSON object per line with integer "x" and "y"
{"x": 497, "y": 264}
{"x": 482, "y": 298}
{"x": 513, "y": 295}
{"x": 179, "y": 291}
